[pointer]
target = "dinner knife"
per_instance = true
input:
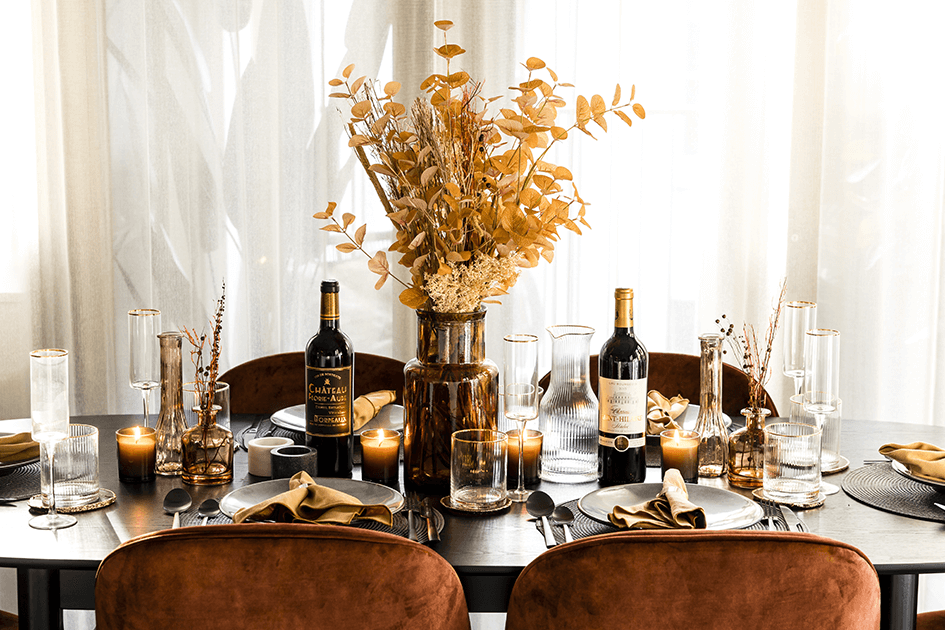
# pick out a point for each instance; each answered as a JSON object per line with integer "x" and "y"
{"x": 793, "y": 523}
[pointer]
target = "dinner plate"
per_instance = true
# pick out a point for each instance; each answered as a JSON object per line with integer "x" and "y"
{"x": 900, "y": 468}
{"x": 8, "y": 466}
{"x": 365, "y": 491}
{"x": 723, "y": 509}
{"x": 389, "y": 417}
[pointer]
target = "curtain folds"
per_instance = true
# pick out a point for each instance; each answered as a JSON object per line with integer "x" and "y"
{"x": 185, "y": 143}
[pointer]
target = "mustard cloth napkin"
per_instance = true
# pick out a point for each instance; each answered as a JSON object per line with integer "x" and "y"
{"x": 661, "y": 412}
{"x": 16, "y": 448}
{"x": 308, "y": 502}
{"x": 367, "y": 406}
{"x": 922, "y": 459}
{"x": 671, "y": 509}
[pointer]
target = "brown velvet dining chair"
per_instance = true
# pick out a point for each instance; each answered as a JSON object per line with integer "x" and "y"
{"x": 673, "y": 374}
{"x": 270, "y": 383}
{"x": 711, "y": 580}
{"x": 934, "y": 620}
{"x": 276, "y": 576}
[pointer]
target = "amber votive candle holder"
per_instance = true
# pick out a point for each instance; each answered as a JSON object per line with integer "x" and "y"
{"x": 380, "y": 455}
{"x": 531, "y": 456}
{"x": 136, "y": 446}
{"x": 680, "y": 450}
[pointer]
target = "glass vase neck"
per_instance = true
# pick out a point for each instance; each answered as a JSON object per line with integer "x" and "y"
{"x": 171, "y": 381}
{"x": 710, "y": 373}
{"x": 457, "y": 338}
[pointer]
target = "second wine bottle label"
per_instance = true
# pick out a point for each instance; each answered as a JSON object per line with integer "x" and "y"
{"x": 622, "y": 413}
{"x": 328, "y": 401}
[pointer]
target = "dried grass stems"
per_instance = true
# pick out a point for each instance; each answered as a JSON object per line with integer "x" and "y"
{"x": 470, "y": 194}
{"x": 754, "y": 358}
{"x": 205, "y": 376}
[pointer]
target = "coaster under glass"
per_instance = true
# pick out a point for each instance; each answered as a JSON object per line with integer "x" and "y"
{"x": 759, "y": 493}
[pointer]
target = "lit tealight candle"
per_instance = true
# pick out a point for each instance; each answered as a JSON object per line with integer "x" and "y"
{"x": 531, "y": 456}
{"x": 380, "y": 455}
{"x": 135, "y": 454}
{"x": 680, "y": 450}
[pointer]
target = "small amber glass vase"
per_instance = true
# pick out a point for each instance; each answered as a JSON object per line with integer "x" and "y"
{"x": 207, "y": 451}
{"x": 449, "y": 386}
{"x": 746, "y": 450}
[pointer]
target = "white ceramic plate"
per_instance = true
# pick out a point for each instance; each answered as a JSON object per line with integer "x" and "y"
{"x": 900, "y": 468}
{"x": 723, "y": 509}
{"x": 365, "y": 491}
{"x": 389, "y": 417}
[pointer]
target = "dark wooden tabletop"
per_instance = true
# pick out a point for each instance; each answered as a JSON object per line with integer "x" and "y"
{"x": 487, "y": 551}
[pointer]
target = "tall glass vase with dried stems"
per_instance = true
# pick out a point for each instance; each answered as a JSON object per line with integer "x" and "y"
{"x": 207, "y": 448}
{"x": 746, "y": 447}
{"x": 473, "y": 198}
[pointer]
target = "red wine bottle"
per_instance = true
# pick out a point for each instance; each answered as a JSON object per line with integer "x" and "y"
{"x": 329, "y": 390}
{"x": 623, "y": 365}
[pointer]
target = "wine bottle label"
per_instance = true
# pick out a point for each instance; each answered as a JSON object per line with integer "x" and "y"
{"x": 328, "y": 406}
{"x": 622, "y": 413}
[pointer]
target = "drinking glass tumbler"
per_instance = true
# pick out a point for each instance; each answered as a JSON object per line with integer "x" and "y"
{"x": 792, "y": 462}
{"x": 77, "y": 481}
{"x": 478, "y": 469}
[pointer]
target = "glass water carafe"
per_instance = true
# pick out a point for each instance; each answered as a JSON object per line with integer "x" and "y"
{"x": 171, "y": 424}
{"x": 713, "y": 436}
{"x": 568, "y": 415}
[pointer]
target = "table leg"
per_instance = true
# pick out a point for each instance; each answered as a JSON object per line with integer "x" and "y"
{"x": 899, "y": 601}
{"x": 38, "y": 599}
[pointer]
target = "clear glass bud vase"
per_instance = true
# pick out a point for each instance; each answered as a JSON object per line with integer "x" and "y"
{"x": 207, "y": 450}
{"x": 449, "y": 386}
{"x": 171, "y": 424}
{"x": 746, "y": 450}
{"x": 713, "y": 441}
{"x": 568, "y": 414}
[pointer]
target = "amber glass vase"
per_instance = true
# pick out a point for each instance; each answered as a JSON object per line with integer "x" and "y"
{"x": 171, "y": 424}
{"x": 207, "y": 450}
{"x": 449, "y": 386}
{"x": 746, "y": 450}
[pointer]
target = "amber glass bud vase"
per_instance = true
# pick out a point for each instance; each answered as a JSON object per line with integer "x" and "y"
{"x": 207, "y": 451}
{"x": 746, "y": 450}
{"x": 171, "y": 424}
{"x": 713, "y": 436}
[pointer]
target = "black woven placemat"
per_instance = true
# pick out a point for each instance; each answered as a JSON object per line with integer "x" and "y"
{"x": 584, "y": 526}
{"x": 399, "y": 527}
{"x": 881, "y": 487}
{"x": 21, "y": 483}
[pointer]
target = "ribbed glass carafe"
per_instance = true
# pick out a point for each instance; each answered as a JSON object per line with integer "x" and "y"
{"x": 568, "y": 415}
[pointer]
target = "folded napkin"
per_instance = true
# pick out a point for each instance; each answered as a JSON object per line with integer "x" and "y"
{"x": 367, "y": 406}
{"x": 661, "y": 412}
{"x": 922, "y": 459}
{"x": 671, "y": 509}
{"x": 16, "y": 448}
{"x": 308, "y": 502}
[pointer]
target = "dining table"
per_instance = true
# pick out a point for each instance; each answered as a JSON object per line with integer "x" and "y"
{"x": 56, "y": 569}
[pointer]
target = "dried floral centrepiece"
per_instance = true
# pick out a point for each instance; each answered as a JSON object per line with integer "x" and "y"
{"x": 471, "y": 195}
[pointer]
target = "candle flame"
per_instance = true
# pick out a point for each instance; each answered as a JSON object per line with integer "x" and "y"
{"x": 676, "y": 437}
{"x": 137, "y": 433}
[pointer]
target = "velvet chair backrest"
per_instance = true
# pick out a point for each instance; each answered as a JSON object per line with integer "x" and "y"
{"x": 710, "y": 580}
{"x": 268, "y": 575}
{"x": 268, "y": 384}
{"x": 673, "y": 374}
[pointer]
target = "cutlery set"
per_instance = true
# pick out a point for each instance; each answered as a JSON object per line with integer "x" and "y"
{"x": 417, "y": 509}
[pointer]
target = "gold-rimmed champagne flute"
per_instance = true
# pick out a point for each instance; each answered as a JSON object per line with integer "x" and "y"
{"x": 822, "y": 379}
{"x": 49, "y": 413}
{"x": 144, "y": 326}
{"x": 799, "y": 317}
{"x": 520, "y": 395}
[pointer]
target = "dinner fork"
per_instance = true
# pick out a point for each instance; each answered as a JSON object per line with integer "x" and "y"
{"x": 413, "y": 509}
{"x": 770, "y": 506}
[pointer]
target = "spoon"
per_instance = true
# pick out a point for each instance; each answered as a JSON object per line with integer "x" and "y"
{"x": 563, "y": 516}
{"x": 177, "y": 500}
{"x": 208, "y": 509}
{"x": 540, "y": 505}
